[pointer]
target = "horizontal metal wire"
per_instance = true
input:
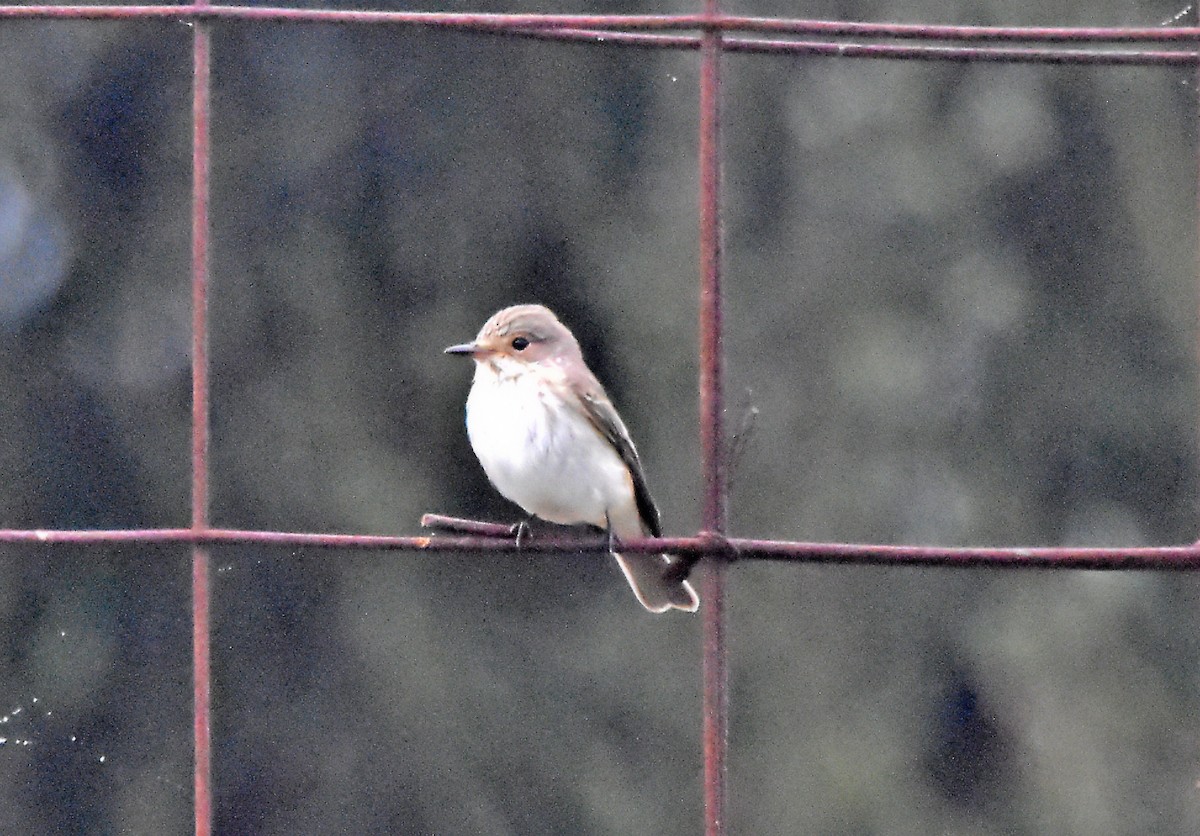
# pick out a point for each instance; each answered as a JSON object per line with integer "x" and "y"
{"x": 635, "y": 31}
{"x": 724, "y": 22}
{"x": 1184, "y": 557}
{"x": 764, "y": 46}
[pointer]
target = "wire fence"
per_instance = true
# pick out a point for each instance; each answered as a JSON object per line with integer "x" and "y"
{"x": 711, "y": 34}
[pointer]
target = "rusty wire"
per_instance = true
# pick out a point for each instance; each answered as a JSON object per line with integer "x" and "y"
{"x": 201, "y": 627}
{"x": 498, "y": 538}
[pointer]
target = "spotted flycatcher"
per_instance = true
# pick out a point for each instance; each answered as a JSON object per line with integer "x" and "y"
{"x": 550, "y": 440}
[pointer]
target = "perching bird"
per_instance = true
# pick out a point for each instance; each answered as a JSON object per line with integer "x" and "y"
{"x": 550, "y": 440}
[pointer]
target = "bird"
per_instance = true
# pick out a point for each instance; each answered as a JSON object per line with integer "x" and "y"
{"x": 550, "y": 440}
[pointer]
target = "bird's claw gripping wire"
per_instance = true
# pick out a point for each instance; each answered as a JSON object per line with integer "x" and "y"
{"x": 522, "y": 532}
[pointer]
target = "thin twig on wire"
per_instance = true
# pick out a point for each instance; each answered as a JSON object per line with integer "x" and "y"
{"x": 459, "y": 525}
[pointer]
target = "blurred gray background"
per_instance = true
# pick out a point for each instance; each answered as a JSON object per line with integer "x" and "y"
{"x": 963, "y": 299}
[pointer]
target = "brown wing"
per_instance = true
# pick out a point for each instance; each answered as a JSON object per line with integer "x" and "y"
{"x": 601, "y": 413}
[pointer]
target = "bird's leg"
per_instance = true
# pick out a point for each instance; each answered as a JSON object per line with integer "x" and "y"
{"x": 522, "y": 530}
{"x": 613, "y": 543}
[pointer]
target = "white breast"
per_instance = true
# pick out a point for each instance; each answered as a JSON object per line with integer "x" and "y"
{"x": 549, "y": 460}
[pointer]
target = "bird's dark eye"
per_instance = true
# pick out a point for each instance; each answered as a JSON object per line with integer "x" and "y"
{"x": 520, "y": 343}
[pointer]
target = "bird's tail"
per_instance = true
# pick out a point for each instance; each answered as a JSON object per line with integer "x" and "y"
{"x": 645, "y": 574}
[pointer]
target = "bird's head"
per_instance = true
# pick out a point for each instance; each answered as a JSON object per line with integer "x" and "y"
{"x": 520, "y": 336}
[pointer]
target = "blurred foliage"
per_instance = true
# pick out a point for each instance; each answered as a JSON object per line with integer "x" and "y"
{"x": 962, "y": 297}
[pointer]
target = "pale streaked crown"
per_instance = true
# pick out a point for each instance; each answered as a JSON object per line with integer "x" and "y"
{"x": 527, "y": 332}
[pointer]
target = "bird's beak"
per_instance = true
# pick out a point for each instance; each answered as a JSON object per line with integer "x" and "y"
{"x": 464, "y": 348}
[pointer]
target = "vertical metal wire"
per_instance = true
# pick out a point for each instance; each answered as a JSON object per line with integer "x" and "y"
{"x": 1195, "y": 9}
{"x": 712, "y": 436}
{"x": 201, "y": 675}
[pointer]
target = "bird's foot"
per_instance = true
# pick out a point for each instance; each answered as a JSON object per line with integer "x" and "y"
{"x": 522, "y": 531}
